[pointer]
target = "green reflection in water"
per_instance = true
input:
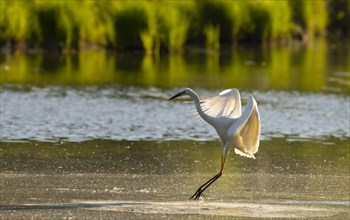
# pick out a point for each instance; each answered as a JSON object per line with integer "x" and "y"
{"x": 279, "y": 69}
{"x": 312, "y": 68}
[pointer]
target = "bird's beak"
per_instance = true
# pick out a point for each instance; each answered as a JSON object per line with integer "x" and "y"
{"x": 177, "y": 95}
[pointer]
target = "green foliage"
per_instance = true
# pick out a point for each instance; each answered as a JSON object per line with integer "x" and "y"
{"x": 237, "y": 12}
{"x": 212, "y": 37}
{"x": 311, "y": 15}
{"x": 129, "y": 23}
{"x": 69, "y": 25}
{"x": 51, "y": 31}
{"x": 95, "y": 21}
{"x": 18, "y": 20}
{"x": 168, "y": 24}
{"x": 148, "y": 39}
{"x": 280, "y": 18}
{"x": 215, "y": 13}
{"x": 259, "y": 24}
{"x": 176, "y": 22}
{"x": 339, "y": 14}
{"x": 151, "y": 37}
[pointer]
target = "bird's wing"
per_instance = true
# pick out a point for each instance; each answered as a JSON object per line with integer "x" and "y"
{"x": 227, "y": 103}
{"x": 247, "y": 127}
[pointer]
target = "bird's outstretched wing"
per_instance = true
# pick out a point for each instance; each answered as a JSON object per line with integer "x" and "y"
{"x": 227, "y": 103}
{"x": 247, "y": 127}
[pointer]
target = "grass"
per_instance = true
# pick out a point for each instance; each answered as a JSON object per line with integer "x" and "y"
{"x": 151, "y": 36}
{"x": 176, "y": 22}
{"x": 312, "y": 16}
{"x": 212, "y": 37}
{"x": 168, "y": 26}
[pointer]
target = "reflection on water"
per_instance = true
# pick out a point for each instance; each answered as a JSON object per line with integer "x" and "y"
{"x": 317, "y": 67}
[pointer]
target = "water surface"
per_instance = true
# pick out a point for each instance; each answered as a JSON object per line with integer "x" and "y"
{"x": 114, "y": 178}
{"x": 131, "y": 113}
{"x": 318, "y": 67}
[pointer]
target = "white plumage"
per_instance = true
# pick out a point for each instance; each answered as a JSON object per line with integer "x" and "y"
{"x": 237, "y": 129}
{"x": 228, "y": 104}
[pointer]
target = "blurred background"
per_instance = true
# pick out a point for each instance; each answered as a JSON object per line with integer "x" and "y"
{"x": 261, "y": 45}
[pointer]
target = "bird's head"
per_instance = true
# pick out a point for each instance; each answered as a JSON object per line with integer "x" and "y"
{"x": 180, "y": 93}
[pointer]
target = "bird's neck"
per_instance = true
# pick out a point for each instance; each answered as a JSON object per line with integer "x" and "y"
{"x": 196, "y": 100}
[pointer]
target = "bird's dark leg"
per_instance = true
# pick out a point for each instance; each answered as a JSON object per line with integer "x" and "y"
{"x": 203, "y": 187}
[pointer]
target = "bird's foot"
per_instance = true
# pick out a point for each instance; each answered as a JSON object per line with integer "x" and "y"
{"x": 197, "y": 194}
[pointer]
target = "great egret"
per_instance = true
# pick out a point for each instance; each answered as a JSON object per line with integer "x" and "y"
{"x": 235, "y": 129}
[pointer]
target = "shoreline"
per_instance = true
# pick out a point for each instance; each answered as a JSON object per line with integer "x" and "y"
{"x": 188, "y": 48}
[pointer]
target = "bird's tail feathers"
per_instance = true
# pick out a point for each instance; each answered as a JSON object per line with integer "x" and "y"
{"x": 246, "y": 154}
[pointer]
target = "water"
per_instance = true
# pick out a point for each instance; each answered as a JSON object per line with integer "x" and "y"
{"x": 145, "y": 179}
{"x": 54, "y": 113}
{"x": 93, "y": 135}
{"x": 319, "y": 67}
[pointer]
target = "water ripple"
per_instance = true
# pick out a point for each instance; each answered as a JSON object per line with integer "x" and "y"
{"x": 132, "y": 113}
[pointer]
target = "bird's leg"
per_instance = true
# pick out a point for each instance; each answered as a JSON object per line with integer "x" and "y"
{"x": 203, "y": 187}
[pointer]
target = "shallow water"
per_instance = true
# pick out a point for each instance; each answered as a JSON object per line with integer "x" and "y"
{"x": 147, "y": 178}
{"x": 56, "y": 113}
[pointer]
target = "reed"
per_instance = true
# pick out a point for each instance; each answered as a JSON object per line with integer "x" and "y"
{"x": 129, "y": 23}
{"x": 280, "y": 20}
{"x": 237, "y": 13}
{"x": 151, "y": 36}
{"x": 176, "y": 22}
{"x": 152, "y": 25}
{"x": 312, "y": 16}
{"x": 18, "y": 21}
{"x": 95, "y": 22}
{"x": 212, "y": 37}
{"x": 215, "y": 14}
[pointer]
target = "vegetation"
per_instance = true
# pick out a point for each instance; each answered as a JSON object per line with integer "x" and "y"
{"x": 212, "y": 36}
{"x": 167, "y": 25}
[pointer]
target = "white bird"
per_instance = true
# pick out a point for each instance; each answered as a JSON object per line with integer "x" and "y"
{"x": 240, "y": 130}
